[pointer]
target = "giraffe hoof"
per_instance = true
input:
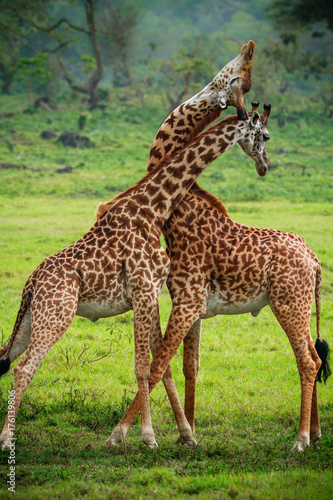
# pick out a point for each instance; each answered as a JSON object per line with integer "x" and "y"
{"x": 148, "y": 439}
{"x": 301, "y": 444}
{"x": 117, "y": 436}
{"x": 5, "y": 441}
{"x": 187, "y": 440}
{"x": 315, "y": 435}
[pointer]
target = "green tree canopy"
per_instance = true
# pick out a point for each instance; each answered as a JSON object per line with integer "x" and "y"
{"x": 288, "y": 13}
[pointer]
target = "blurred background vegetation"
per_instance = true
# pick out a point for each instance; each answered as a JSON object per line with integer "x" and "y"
{"x": 114, "y": 69}
{"x": 167, "y": 46}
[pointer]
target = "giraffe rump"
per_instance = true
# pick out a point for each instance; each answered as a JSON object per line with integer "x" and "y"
{"x": 323, "y": 352}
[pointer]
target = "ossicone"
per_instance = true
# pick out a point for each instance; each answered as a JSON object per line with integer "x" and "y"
{"x": 255, "y": 105}
{"x": 266, "y": 112}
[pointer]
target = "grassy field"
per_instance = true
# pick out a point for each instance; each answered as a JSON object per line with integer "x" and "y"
{"x": 248, "y": 393}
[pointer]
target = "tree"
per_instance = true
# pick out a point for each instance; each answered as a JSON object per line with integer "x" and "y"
{"x": 178, "y": 75}
{"x": 118, "y": 21}
{"x": 12, "y": 39}
{"x": 287, "y": 13}
{"x": 29, "y": 13}
{"x": 9, "y": 56}
{"x": 32, "y": 71}
{"x": 305, "y": 28}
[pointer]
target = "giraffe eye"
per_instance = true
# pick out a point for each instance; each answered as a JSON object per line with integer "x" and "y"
{"x": 233, "y": 80}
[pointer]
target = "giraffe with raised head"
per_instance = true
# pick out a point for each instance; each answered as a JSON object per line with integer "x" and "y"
{"x": 226, "y": 89}
{"x": 222, "y": 267}
{"x": 118, "y": 265}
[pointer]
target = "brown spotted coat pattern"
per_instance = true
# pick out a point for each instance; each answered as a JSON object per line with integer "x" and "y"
{"x": 118, "y": 265}
{"x": 221, "y": 267}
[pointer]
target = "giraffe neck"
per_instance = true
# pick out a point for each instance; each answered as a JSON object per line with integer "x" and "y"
{"x": 191, "y": 213}
{"x": 163, "y": 189}
{"x": 184, "y": 123}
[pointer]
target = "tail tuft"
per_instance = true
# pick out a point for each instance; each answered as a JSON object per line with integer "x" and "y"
{"x": 323, "y": 352}
{"x": 4, "y": 366}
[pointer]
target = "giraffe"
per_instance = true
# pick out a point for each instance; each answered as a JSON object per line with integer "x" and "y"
{"x": 228, "y": 268}
{"x": 229, "y": 130}
{"x": 118, "y": 265}
{"x": 185, "y": 122}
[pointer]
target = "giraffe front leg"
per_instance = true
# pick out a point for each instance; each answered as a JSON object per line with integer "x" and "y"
{"x": 181, "y": 318}
{"x": 182, "y": 423}
{"x": 191, "y": 365}
{"x": 120, "y": 431}
{"x": 143, "y": 315}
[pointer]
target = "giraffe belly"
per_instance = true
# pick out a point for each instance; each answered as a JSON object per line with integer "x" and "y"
{"x": 217, "y": 304}
{"x": 95, "y": 309}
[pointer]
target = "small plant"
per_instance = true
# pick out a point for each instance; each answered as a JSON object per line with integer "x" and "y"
{"x": 33, "y": 73}
{"x": 103, "y": 106}
{"x": 84, "y": 115}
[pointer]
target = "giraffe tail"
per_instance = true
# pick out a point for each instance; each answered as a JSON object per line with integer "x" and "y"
{"x": 321, "y": 345}
{"x": 4, "y": 366}
{"x": 323, "y": 352}
{"x": 5, "y": 350}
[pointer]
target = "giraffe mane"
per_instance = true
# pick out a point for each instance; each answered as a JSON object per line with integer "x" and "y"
{"x": 204, "y": 123}
{"x": 210, "y": 198}
{"x": 103, "y": 207}
{"x": 200, "y": 126}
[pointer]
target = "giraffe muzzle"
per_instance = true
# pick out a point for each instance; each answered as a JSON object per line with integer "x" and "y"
{"x": 261, "y": 169}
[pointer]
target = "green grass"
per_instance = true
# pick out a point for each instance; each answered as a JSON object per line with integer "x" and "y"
{"x": 248, "y": 392}
{"x": 121, "y": 140}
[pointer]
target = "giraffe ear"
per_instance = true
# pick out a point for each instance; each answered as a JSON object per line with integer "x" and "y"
{"x": 254, "y": 119}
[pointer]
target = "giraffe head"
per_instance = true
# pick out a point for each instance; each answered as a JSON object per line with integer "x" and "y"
{"x": 234, "y": 80}
{"x": 255, "y": 137}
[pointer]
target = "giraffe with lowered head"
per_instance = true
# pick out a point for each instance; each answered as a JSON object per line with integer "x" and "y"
{"x": 228, "y": 268}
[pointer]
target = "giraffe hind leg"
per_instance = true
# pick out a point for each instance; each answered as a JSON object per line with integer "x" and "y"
{"x": 296, "y": 326}
{"x": 19, "y": 344}
{"x": 323, "y": 351}
{"x": 48, "y": 324}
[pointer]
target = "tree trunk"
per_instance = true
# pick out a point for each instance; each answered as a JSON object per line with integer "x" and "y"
{"x": 5, "y": 87}
{"x": 98, "y": 73}
{"x": 7, "y": 79}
